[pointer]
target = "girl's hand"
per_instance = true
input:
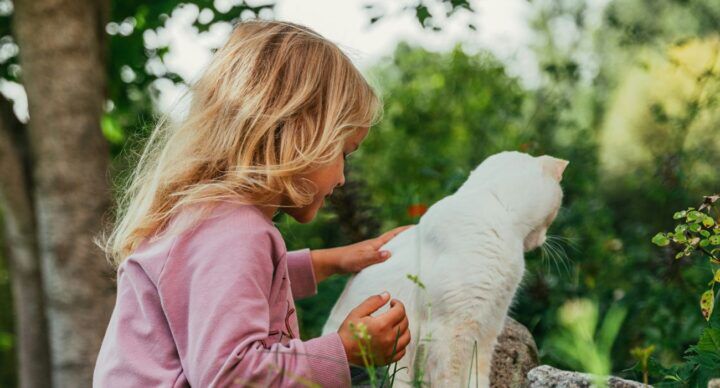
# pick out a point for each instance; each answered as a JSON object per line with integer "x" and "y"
{"x": 352, "y": 258}
{"x": 378, "y": 340}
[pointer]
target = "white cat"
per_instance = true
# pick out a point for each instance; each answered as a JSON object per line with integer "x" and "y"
{"x": 467, "y": 252}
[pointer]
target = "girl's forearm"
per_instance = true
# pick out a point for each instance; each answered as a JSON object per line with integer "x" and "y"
{"x": 324, "y": 262}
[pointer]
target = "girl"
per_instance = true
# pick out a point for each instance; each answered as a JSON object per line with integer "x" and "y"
{"x": 205, "y": 286}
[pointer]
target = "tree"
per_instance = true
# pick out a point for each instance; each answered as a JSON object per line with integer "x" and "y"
{"x": 62, "y": 61}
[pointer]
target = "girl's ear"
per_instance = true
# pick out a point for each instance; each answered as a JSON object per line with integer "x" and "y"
{"x": 554, "y": 167}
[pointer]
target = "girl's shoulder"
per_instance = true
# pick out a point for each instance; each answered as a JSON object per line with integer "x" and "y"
{"x": 227, "y": 222}
{"x": 197, "y": 233}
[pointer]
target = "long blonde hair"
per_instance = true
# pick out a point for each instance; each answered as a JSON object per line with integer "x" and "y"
{"x": 277, "y": 101}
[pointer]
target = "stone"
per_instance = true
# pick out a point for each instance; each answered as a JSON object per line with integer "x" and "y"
{"x": 515, "y": 355}
{"x": 547, "y": 376}
{"x": 714, "y": 383}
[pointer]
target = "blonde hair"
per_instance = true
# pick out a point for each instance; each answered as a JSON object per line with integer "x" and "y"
{"x": 277, "y": 101}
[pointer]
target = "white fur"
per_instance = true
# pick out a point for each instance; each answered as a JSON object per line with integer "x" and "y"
{"x": 468, "y": 249}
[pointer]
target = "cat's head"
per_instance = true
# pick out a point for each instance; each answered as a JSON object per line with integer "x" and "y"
{"x": 528, "y": 187}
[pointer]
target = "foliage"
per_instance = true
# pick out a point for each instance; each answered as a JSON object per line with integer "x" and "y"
{"x": 580, "y": 341}
{"x": 642, "y": 354}
{"x": 696, "y": 234}
{"x": 426, "y": 13}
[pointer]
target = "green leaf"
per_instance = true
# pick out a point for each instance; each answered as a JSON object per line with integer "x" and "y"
{"x": 679, "y": 215}
{"x": 679, "y": 255}
{"x": 112, "y": 130}
{"x": 715, "y": 240}
{"x": 709, "y": 341}
{"x": 422, "y": 14}
{"x": 695, "y": 227}
{"x": 680, "y": 228}
{"x": 704, "y": 242}
{"x": 708, "y": 221}
{"x": 705, "y": 233}
{"x": 707, "y": 300}
{"x": 660, "y": 240}
{"x": 610, "y": 327}
{"x": 717, "y": 276}
{"x": 694, "y": 216}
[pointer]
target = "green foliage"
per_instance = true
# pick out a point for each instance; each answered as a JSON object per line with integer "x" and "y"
{"x": 444, "y": 113}
{"x": 584, "y": 345}
{"x": 702, "y": 360}
{"x": 642, "y": 354}
{"x": 698, "y": 233}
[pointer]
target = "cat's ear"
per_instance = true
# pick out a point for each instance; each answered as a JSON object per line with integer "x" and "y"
{"x": 553, "y": 166}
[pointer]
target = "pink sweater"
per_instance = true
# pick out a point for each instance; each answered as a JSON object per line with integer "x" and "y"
{"x": 213, "y": 307}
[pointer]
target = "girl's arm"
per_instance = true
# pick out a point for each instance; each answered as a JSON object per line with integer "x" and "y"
{"x": 352, "y": 258}
{"x": 303, "y": 279}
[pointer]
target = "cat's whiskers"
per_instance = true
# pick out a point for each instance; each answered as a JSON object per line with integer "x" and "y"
{"x": 553, "y": 250}
{"x": 572, "y": 242}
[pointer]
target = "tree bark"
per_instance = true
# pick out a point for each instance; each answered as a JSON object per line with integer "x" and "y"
{"x": 33, "y": 353}
{"x": 62, "y": 59}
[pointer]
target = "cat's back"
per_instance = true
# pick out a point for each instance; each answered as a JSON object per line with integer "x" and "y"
{"x": 390, "y": 276}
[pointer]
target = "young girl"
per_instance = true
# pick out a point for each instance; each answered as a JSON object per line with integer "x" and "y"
{"x": 205, "y": 286}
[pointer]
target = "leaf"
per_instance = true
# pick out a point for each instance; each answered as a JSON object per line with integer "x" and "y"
{"x": 715, "y": 240}
{"x": 111, "y": 129}
{"x": 660, "y": 240}
{"x": 694, "y": 216}
{"x": 705, "y": 233}
{"x": 695, "y": 227}
{"x": 610, "y": 327}
{"x": 717, "y": 276}
{"x": 679, "y": 215}
{"x": 422, "y": 14}
{"x": 708, "y": 221}
{"x": 679, "y": 255}
{"x": 707, "y": 301}
{"x": 709, "y": 341}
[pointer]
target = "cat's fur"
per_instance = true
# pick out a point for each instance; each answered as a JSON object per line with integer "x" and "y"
{"x": 468, "y": 252}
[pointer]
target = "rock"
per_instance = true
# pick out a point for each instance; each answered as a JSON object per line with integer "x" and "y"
{"x": 547, "y": 376}
{"x": 714, "y": 383}
{"x": 515, "y": 355}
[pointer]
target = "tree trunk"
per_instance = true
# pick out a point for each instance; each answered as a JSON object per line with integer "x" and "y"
{"x": 61, "y": 55}
{"x": 32, "y": 350}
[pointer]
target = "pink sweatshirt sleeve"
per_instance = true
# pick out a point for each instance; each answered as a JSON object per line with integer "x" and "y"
{"x": 302, "y": 276}
{"x": 216, "y": 292}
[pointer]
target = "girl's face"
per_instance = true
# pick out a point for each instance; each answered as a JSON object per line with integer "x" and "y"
{"x": 326, "y": 178}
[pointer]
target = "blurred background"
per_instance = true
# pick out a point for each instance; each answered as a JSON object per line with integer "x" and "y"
{"x": 626, "y": 90}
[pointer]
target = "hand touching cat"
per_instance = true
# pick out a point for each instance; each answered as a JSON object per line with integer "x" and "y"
{"x": 352, "y": 258}
{"x": 386, "y": 335}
